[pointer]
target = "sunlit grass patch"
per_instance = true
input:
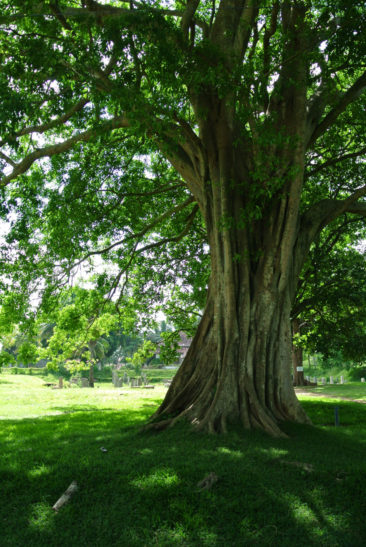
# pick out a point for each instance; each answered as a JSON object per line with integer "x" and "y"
{"x": 42, "y": 517}
{"x": 351, "y": 390}
{"x": 160, "y": 478}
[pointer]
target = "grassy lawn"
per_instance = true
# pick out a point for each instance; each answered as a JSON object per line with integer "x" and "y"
{"x": 143, "y": 489}
{"x": 353, "y": 390}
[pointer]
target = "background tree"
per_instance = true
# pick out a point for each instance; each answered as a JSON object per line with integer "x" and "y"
{"x": 129, "y": 129}
{"x": 142, "y": 355}
{"x": 79, "y": 325}
{"x": 329, "y": 312}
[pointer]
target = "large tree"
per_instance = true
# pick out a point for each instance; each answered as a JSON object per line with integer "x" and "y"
{"x": 258, "y": 108}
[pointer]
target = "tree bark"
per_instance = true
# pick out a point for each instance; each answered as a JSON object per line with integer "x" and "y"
{"x": 238, "y": 367}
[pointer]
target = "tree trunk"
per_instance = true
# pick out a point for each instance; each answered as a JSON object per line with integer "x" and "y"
{"x": 91, "y": 376}
{"x": 297, "y": 358}
{"x": 91, "y": 346}
{"x": 238, "y": 367}
{"x": 248, "y": 188}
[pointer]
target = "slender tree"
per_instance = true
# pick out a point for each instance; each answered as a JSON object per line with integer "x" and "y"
{"x": 127, "y": 126}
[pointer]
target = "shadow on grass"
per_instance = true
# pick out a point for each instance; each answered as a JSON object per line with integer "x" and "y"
{"x": 142, "y": 488}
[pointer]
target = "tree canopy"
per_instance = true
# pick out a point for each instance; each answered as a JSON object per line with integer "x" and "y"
{"x": 148, "y": 132}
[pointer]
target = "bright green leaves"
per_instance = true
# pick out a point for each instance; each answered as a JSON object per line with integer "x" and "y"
{"x": 70, "y": 319}
{"x": 142, "y": 355}
{"x": 169, "y": 347}
{"x": 78, "y": 327}
{"x": 6, "y": 359}
{"x": 27, "y": 353}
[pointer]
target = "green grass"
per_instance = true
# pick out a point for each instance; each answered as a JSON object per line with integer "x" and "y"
{"x": 353, "y": 390}
{"x": 143, "y": 491}
{"x": 159, "y": 374}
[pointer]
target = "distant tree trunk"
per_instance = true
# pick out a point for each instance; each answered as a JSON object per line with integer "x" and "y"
{"x": 92, "y": 345}
{"x": 297, "y": 358}
{"x": 91, "y": 376}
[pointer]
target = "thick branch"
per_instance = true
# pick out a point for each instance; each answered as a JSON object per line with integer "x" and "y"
{"x": 269, "y": 32}
{"x": 225, "y": 26}
{"x": 187, "y": 17}
{"x": 317, "y": 217}
{"x": 353, "y": 93}
{"x": 324, "y": 212}
{"x": 246, "y": 22}
{"x": 95, "y": 11}
{"x": 358, "y": 208}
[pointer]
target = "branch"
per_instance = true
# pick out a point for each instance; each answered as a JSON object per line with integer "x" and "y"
{"x": 7, "y": 159}
{"x": 46, "y": 126}
{"x": 320, "y": 215}
{"x": 163, "y": 189}
{"x": 188, "y": 15}
{"x": 333, "y": 161}
{"x": 148, "y": 247}
{"x": 358, "y": 208}
{"x": 353, "y": 93}
{"x": 95, "y": 11}
{"x": 325, "y": 211}
{"x": 54, "y": 7}
{"x": 54, "y": 149}
{"x": 246, "y": 21}
{"x": 140, "y": 234}
{"x": 269, "y": 32}
{"x": 174, "y": 238}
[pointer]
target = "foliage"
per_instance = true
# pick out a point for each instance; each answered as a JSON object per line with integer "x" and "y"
{"x": 120, "y": 346}
{"x": 142, "y": 355}
{"x": 331, "y": 300}
{"x": 169, "y": 347}
{"x": 6, "y": 359}
{"x": 80, "y": 324}
{"x": 108, "y": 189}
{"x": 27, "y": 353}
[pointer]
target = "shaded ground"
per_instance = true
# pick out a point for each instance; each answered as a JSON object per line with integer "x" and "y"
{"x": 142, "y": 490}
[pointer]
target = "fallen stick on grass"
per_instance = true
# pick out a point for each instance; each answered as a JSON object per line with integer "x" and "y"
{"x": 208, "y": 481}
{"x": 65, "y": 496}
